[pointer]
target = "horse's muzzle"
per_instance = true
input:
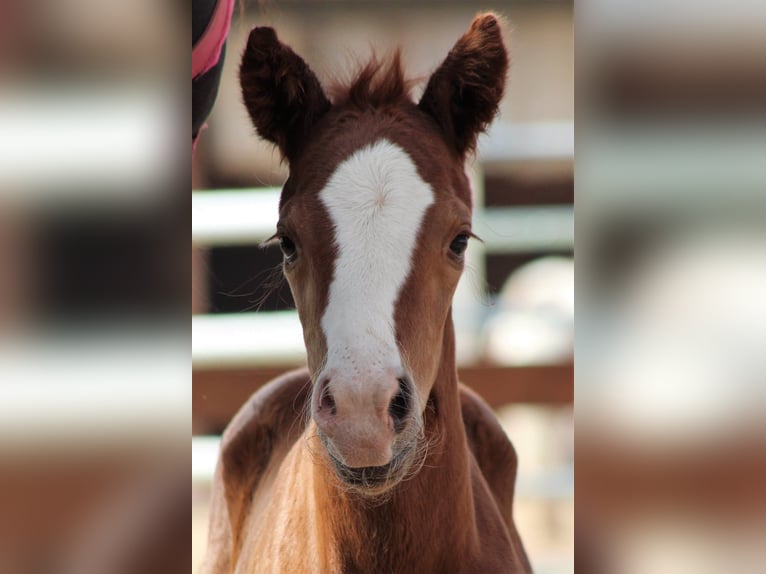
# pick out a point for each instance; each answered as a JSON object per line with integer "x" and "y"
{"x": 372, "y": 478}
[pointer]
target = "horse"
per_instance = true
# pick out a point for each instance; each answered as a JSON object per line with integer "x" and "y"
{"x": 374, "y": 458}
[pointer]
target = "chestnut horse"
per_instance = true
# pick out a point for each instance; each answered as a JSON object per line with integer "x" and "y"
{"x": 375, "y": 459}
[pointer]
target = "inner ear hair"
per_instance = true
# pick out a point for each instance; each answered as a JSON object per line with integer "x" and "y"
{"x": 282, "y": 95}
{"x": 464, "y": 92}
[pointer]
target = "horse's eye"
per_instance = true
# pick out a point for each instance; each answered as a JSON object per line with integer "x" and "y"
{"x": 459, "y": 244}
{"x": 288, "y": 248}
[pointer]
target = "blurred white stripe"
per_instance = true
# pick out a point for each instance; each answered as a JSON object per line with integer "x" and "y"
{"x": 90, "y": 142}
{"x": 247, "y": 339}
{"x": 234, "y": 217}
{"x": 93, "y": 387}
{"x": 247, "y": 217}
{"x": 533, "y": 141}
{"x": 205, "y": 451}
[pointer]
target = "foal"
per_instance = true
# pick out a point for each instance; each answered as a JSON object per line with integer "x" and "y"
{"x": 398, "y": 468}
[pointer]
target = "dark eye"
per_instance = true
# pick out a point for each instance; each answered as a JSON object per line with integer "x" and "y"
{"x": 288, "y": 248}
{"x": 459, "y": 244}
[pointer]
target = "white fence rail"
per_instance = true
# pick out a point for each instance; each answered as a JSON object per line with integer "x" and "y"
{"x": 247, "y": 217}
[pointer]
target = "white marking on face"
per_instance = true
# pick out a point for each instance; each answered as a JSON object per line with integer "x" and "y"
{"x": 376, "y": 200}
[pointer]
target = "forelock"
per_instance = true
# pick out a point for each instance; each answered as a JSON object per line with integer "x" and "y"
{"x": 378, "y": 83}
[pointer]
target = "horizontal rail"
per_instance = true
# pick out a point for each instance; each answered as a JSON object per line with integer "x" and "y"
{"x": 218, "y": 393}
{"x": 540, "y": 141}
{"x": 247, "y": 217}
{"x": 87, "y": 386}
{"x": 205, "y": 450}
{"x": 523, "y": 229}
{"x": 247, "y": 339}
{"x": 234, "y": 217}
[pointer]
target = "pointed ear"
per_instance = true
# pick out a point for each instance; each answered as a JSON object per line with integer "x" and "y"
{"x": 282, "y": 95}
{"x": 464, "y": 92}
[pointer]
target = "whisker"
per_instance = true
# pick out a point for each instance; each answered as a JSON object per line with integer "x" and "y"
{"x": 272, "y": 284}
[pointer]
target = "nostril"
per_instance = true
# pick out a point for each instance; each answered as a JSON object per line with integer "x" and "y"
{"x": 400, "y": 406}
{"x": 326, "y": 400}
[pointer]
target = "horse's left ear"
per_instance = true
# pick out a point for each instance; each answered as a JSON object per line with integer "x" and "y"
{"x": 283, "y": 96}
{"x": 463, "y": 94}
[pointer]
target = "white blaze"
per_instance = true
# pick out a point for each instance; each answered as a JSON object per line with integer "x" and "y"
{"x": 376, "y": 200}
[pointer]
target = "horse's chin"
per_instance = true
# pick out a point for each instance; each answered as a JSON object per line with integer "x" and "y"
{"x": 373, "y": 481}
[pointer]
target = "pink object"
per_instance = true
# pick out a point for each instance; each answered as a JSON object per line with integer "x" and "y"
{"x": 207, "y": 51}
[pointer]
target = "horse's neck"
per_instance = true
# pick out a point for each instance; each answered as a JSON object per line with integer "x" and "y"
{"x": 410, "y": 522}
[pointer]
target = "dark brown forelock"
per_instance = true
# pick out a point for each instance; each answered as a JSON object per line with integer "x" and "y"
{"x": 378, "y": 83}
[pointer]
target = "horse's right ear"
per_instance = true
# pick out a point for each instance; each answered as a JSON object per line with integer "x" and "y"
{"x": 282, "y": 95}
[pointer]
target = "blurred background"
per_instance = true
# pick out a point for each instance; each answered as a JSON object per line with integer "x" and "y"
{"x": 94, "y": 274}
{"x": 671, "y": 277}
{"x": 514, "y": 309}
{"x": 94, "y": 286}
